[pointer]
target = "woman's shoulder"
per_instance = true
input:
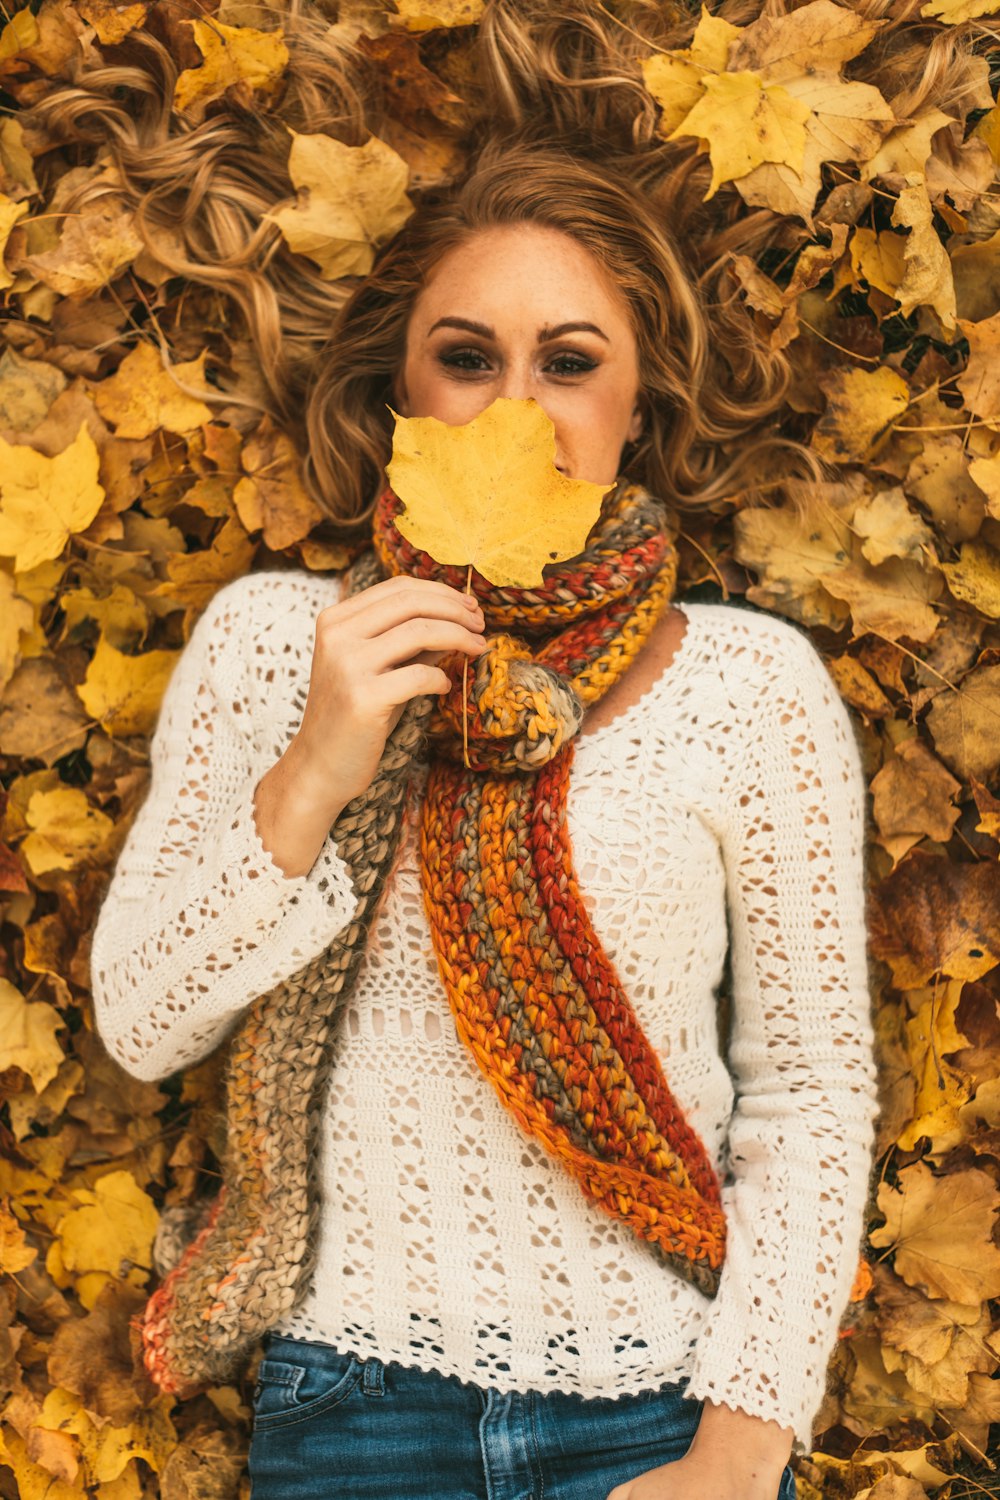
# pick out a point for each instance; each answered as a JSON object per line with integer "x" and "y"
{"x": 743, "y": 638}
{"x": 268, "y": 591}
{"x": 752, "y": 654}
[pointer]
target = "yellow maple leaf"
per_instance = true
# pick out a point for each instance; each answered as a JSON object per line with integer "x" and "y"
{"x": 110, "y": 1224}
{"x": 66, "y": 830}
{"x": 233, "y": 55}
{"x": 43, "y": 501}
{"x": 488, "y": 493}
{"x": 675, "y": 79}
{"x": 746, "y": 122}
{"x": 954, "y": 12}
{"x": 107, "y": 1448}
{"x": 424, "y": 15}
{"x": 350, "y": 199}
{"x": 941, "y": 1231}
{"x": 28, "y": 1035}
{"x": 123, "y": 693}
{"x": 143, "y": 396}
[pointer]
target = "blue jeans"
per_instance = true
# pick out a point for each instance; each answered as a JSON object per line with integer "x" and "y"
{"x": 331, "y": 1426}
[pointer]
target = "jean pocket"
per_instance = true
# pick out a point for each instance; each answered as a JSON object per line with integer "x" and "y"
{"x": 288, "y": 1392}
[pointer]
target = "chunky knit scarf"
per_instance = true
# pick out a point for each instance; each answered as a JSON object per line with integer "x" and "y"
{"x": 533, "y": 995}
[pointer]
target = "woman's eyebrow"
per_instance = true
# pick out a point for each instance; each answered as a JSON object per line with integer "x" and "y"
{"x": 544, "y": 334}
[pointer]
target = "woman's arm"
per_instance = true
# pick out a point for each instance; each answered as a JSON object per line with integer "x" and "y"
{"x": 199, "y": 918}
{"x": 801, "y": 1044}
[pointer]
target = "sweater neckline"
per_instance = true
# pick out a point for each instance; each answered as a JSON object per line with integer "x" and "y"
{"x": 652, "y": 692}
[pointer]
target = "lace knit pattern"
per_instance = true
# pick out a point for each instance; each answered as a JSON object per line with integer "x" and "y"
{"x": 725, "y": 810}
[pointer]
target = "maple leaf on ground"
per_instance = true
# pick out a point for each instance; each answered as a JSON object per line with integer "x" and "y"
{"x": 44, "y": 501}
{"x": 351, "y": 198}
{"x": 143, "y": 395}
{"x": 940, "y": 1230}
{"x": 487, "y": 493}
{"x": 239, "y": 57}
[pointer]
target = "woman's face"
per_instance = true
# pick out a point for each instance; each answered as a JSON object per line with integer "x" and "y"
{"x": 523, "y": 311}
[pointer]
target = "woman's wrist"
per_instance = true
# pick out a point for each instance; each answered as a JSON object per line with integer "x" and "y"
{"x": 765, "y": 1445}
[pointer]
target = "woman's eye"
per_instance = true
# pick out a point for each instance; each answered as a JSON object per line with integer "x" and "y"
{"x": 561, "y": 364}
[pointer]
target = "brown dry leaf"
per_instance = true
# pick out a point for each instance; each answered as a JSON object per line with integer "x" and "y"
{"x": 193, "y": 577}
{"x": 793, "y": 553}
{"x": 858, "y": 687}
{"x": 980, "y": 380}
{"x": 912, "y": 798}
{"x": 123, "y": 693}
{"x": 44, "y": 501}
{"x": 40, "y": 715}
{"x": 931, "y": 916}
{"x": 143, "y": 396}
{"x": 92, "y": 1357}
{"x": 893, "y": 600}
{"x": 874, "y": 1397}
{"x": 351, "y": 198}
{"x": 911, "y": 1322}
{"x": 965, "y": 724}
{"x": 15, "y": 1252}
{"x": 250, "y": 63}
{"x": 273, "y": 498}
{"x": 96, "y": 244}
{"x": 940, "y": 1229}
{"x": 487, "y": 494}
{"x": 927, "y": 278}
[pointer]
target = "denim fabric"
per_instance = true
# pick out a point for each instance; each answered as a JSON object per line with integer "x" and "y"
{"x": 331, "y": 1426}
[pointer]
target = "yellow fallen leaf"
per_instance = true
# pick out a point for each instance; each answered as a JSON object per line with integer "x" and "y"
{"x": 988, "y": 129}
{"x": 16, "y": 616}
{"x": 28, "y": 1035}
{"x": 108, "y": 1233}
{"x": 906, "y": 149}
{"x": 893, "y": 600}
{"x": 954, "y": 12}
{"x": 488, "y": 493}
{"x": 927, "y": 278}
{"x": 351, "y": 198}
{"x": 234, "y": 55}
{"x": 675, "y": 79}
{"x": 424, "y": 15}
{"x": 985, "y": 472}
{"x": 67, "y": 830}
{"x": 34, "y": 1482}
{"x": 941, "y": 1231}
{"x": 106, "y": 1450}
{"x": 15, "y": 1252}
{"x": 792, "y": 551}
{"x": 44, "y": 501}
{"x": 877, "y": 255}
{"x": 142, "y": 396}
{"x": 890, "y": 528}
{"x": 861, "y": 406}
{"x": 10, "y": 212}
{"x": 746, "y": 122}
{"x": 111, "y": 21}
{"x": 123, "y": 693}
{"x": 272, "y": 498}
{"x": 975, "y": 577}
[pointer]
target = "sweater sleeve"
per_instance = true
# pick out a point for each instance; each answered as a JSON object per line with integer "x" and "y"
{"x": 198, "y": 920}
{"x": 801, "y": 1046}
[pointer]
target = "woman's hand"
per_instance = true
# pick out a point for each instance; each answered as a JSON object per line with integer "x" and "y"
{"x": 733, "y": 1456}
{"x": 699, "y": 1477}
{"x": 372, "y": 653}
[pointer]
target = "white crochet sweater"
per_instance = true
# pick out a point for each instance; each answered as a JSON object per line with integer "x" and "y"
{"x": 724, "y": 809}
